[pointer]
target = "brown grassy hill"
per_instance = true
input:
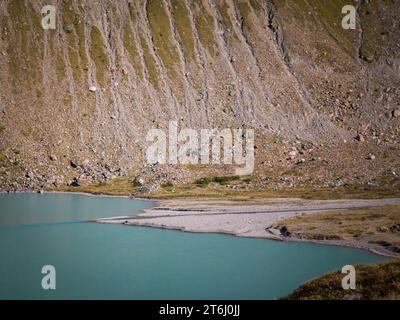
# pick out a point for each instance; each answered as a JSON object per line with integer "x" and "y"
{"x": 373, "y": 282}
{"x": 285, "y": 68}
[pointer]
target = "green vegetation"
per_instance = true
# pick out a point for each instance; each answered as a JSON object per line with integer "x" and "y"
{"x": 200, "y": 189}
{"x": 223, "y": 9}
{"x": 60, "y": 67}
{"x": 226, "y": 20}
{"x": 118, "y": 187}
{"x": 329, "y": 14}
{"x": 204, "y": 182}
{"x": 132, "y": 12}
{"x": 293, "y": 172}
{"x": 184, "y": 28}
{"x": 99, "y": 55}
{"x": 130, "y": 45}
{"x": 163, "y": 38}
{"x": 245, "y": 11}
{"x": 167, "y": 186}
{"x": 205, "y": 26}
{"x": 276, "y": 138}
{"x": 150, "y": 63}
{"x": 370, "y": 225}
{"x": 256, "y": 5}
{"x": 25, "y": 43}
{"x": 76, "y": 42}
{"x": 374, "y": 282}
{"x": 348, "y": 192}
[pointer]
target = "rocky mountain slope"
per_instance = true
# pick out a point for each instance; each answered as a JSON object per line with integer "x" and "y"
{"x": 79, "y": 100}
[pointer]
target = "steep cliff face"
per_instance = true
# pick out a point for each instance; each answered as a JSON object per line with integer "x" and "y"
{"x": 280, "y": 67}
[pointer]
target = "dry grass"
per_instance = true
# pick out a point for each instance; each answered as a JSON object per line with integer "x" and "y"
{"x": 117, "y": 187}
{"x": 123, "y": 186}
{"x": 362, "y": 224}
{"x": 372, "y": 283}
{"x": 217, "y": 191}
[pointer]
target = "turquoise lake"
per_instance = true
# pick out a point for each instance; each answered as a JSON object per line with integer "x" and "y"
{"x": 99, "y": 261}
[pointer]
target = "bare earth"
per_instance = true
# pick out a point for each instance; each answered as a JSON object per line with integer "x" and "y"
{"x": 245, "y": 219}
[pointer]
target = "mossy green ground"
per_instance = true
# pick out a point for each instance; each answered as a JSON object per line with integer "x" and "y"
{"x": 99, "y": 55}
{"x": 130, "y": 45}
{"x": 205, "y": 27}
{"x": 149, "y": 62}
{"x": 163, "y": 38}
{"x": 76, "y": 42}
{"x": 27, "y": 42}
{"x": 184, "y": 28}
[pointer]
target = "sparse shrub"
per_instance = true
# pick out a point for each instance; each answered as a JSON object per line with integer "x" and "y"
{"x": 167, "y": 186}
{"x": 225, "y": 179}
{"x": 204, "y": 182}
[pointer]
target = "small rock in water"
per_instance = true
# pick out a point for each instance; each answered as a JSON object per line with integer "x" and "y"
{"x": 92, "y": 89}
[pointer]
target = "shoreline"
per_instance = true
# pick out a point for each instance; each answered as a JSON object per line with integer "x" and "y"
{"x": 356, "y": 245}
{"x": 171, "y": 211}
{"x": 251, "y": 221}
{"x": 82, "y": 193}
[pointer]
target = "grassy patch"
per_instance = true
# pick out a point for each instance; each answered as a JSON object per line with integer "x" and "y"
{"x": 353, "y": 192}
{"x": 99, "y": 55}
{"x": 150, "y": 63}
{"x": 24, "y": 43}
{"x": 374, "y": 282}
{"x": 326, "y": 14}
{"x": 293, "y": 172}
{"x": 245, "y": 11}
{"x": 76, "y": 42}
{"x": 205, "y": 26}
{"x": 223, "y": 10}
{"x": 256, "y": 5}
{"x": 60, "y": 67}
{"x": 329, "y": 12}
{"x": 192, "y": 190}
{"x": 167, "y": 186}
{"x": 366, "y": 224}
{"x": 276, "y": 138}
{"x": 120, "y": 187}
{"x": 130, "y": 45}
{"x": 184, "y": 28}
{"x": 163, "y": 38}
{"x": 204, "y": 182}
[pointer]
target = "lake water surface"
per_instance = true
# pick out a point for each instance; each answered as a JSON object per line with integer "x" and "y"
{"x": 99, "y": 261}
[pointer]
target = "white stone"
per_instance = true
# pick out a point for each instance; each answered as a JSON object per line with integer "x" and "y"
{"x": 293, "y": 154}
